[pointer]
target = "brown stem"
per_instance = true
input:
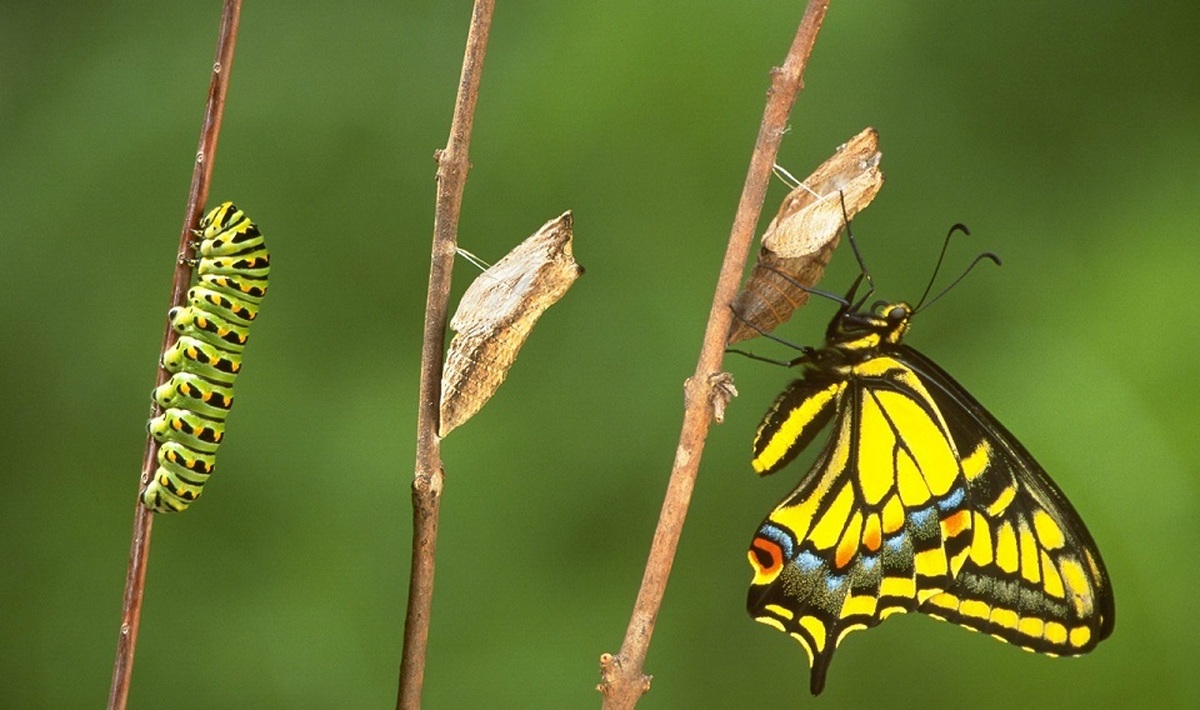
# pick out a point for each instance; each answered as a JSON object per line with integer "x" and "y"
{"x": 623, "y": 679}
{"x": 453, "y": 165}
{"x": 139, "y": 549}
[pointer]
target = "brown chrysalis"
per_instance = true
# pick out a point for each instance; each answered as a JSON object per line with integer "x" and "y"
{"x": 496, "y": 314}
{"x": 799, "y": 242}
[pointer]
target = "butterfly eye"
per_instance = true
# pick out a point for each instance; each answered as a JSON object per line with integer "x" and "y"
{"x": 897, "y": 313}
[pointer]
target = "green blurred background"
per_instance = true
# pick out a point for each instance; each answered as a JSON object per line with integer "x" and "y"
{"x": 1064, "y": 133}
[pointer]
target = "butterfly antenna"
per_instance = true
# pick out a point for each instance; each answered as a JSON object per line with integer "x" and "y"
{"x": 989, "y": 256}
{"x": 960, "y": 227}
{"x": 862, "y": 265}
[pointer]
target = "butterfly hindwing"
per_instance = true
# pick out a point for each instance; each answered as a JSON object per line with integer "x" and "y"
{"x": 878, "y": 526}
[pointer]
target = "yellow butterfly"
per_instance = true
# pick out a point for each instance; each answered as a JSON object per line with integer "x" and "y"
{"x": 919, "y": 501}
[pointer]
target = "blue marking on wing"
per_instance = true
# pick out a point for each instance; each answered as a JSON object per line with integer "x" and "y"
{"x": 808, "y": 562}
{"x": 780, "y": 537}
{"x": 834, "y": 582}
{"x": 896, "y": 542}
{"x": 920, "y": 517}
{"x": 953, "y": 501}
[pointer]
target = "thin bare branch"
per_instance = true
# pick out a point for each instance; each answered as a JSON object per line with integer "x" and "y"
{"x": 206, "y": 152}
{"x": 453, "y": 165}
{"x": 623, "y": 678}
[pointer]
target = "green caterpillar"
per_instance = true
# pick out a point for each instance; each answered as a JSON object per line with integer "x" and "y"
{"x": 232, "y": 265}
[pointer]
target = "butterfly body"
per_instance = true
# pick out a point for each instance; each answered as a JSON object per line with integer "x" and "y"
{"x": 920, "y": 501}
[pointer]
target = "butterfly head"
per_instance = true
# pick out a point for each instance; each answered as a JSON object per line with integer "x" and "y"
{"x": 864, "y": 331}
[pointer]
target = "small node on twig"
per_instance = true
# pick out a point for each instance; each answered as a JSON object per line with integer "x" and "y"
{"x": 721, "y": 394}
{"x": 496, "y": 315}
{"x": 607, "y": 661}
{"x": 610, "y": 666}
{"x": 608, "y": 669}
{"x": 428, "y": 485}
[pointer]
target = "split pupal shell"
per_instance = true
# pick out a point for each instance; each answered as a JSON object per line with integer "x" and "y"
{"x": 799, "y": 242}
